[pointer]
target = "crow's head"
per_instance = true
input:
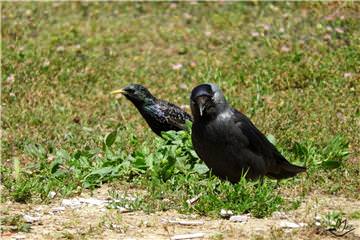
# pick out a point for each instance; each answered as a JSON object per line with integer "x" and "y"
{"x": 207, "y": 101}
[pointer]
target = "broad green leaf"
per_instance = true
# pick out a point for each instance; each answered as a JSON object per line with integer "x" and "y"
{"x": 110, "y": 138}
{"x": 331, "y": 164}
{"x": 201, "y": 168}
{"x": 54, "y": 165}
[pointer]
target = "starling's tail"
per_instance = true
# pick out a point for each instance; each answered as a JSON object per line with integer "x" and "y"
{"x": 285, "y": 170}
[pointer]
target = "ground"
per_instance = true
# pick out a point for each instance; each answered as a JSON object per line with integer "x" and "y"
{"x": 293, "y": 68}
{"x": 88, "y": 221}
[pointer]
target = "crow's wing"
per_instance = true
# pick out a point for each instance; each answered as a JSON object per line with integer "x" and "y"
{"x": 257, "y": 142}
{"x": 277, "y": 166}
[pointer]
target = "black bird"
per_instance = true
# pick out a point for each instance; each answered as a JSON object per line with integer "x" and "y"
{"x": 229, "y": 143}
{"x": 160, "y": 115}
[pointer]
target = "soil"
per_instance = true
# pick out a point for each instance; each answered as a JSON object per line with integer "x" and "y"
{"x": 89, "y": 221}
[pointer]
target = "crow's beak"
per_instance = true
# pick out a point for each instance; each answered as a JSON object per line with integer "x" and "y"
{"x": 201, "y": 109}
{"x": 122, "y": 91}
{"x": 201, "y": 101}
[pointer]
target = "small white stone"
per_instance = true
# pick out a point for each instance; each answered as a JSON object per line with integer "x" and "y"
{"x": 18, "y": 236}
{"x": 188, "y": 236}
{"x": 51, "y": 194}
{"x": 279, "y": 215}
{"x": 183, "y": 86}
{"x": 285, "y": 49}
{"x": 288, "y": 224}
{"x": 57, "y": 209}
{"x": 239, "y": 218}
{"x": 226, "y": 213}
{"x": 176, "y": 66}
{"x": 60, "y": 48}
{"x": 196, "y": 198}
{"x": 93, "y": 201}
{"x": 185, "y": 222}
{"x": 123, "y": 209}
{"x": 46, "y": 63}
{"x": 347, "y": 75}
{"x": 30, "y": 219}
{"x": 339, "y": 30}
{"x": 74, "y": 203}
{"x": 255, "y": 34}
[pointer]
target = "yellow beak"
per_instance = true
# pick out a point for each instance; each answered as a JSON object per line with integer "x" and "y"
{"x": 122, "y": 91}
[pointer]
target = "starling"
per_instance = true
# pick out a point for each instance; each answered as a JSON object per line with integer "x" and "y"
{"x": 160, "y": 115}
{"x": 229, "y": 143}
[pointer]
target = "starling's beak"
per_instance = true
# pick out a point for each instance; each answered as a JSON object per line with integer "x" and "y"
{"x": 122, "y": 91}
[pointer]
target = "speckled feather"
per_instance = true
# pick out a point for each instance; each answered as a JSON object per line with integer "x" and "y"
{"x": 161, "y": 116}
{"x": 164, "y": 116}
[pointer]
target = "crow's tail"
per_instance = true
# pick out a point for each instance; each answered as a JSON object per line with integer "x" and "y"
{"x": 284, "y": 169}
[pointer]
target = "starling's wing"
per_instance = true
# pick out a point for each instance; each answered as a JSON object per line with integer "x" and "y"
{"x": 278, "y": 166}
{"x": 172, "y": 115}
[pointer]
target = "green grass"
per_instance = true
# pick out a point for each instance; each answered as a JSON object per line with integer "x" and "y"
{"x": 336, "y": 223}
{"x": 292, "y": 67}
{"x": 355, "y": 215}
{"x": 14, "y": 223}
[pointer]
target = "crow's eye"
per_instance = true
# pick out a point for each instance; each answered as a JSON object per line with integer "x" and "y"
{"x": 208, "y": 104}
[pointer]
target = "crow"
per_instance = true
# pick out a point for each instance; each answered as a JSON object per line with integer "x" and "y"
{"x": 229, "y": 143}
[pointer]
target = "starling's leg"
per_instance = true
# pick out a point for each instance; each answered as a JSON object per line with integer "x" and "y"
{"x": 277, "y": 183}
{"x": 261, "y": 180}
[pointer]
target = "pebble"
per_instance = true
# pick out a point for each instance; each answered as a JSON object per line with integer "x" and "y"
{"x": 288, "y": 224}
{"x": 51, "y": 194}
{"x": 226, "y": 213}
{"x": 187, "y": 236}
{"x": 78, "y": 202}
{"x": 30, "y": 219}
{"x": 240, "y": 218}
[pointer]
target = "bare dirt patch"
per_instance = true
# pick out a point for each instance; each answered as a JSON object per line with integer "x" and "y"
{"x": 93, "y": 220}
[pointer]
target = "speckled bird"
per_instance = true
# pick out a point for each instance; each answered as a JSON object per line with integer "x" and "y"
{"x": 161, "y": 116}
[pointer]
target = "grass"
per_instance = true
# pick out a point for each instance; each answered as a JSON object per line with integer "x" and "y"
{"x": 291, "y": 67}
{"x": 14, "y": 223}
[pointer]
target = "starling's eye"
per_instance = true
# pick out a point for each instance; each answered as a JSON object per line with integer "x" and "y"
{"x": 131, "y": 91}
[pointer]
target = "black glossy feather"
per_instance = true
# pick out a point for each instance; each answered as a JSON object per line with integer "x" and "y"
{"x": 229, "y": 143}
{"x": 160, "y": 115}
